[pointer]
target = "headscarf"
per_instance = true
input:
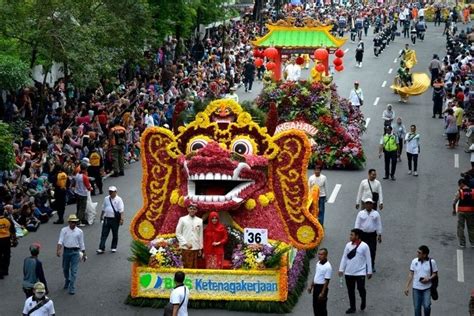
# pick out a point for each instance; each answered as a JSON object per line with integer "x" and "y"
{"x": 217, "y": 227}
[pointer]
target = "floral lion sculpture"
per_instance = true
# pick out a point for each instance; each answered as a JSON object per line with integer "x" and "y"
{"x": 224, "y": 161}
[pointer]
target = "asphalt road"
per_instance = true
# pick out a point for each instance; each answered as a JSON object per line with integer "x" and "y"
{"x": 417, "y": 211}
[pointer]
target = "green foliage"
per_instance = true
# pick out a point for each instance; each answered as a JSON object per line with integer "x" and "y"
{"x": 275, "y": 260}
{"x": 257, "y": 114}
{"x": 140, "y": 253}
{"x": 7, "y": 161}
{"x": 14, "y": 73}
{"x": 246, "y": 306}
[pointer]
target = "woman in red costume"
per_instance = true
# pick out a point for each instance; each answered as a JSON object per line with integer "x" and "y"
{"x": 215, "y": 237}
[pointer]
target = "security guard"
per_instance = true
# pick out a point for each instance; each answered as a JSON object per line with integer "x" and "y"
{"x": 389, "y": 147}
{"x": 7, "y": 237}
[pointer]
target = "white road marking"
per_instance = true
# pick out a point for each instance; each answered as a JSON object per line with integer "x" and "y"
{"x": 334, "y": 193}
{"x": 460, "y": 262}
{"x": 456, "y": 160}
{"x": 376, "y": 100}
{"x": 395, "y": 60}
{"x": 346, "y": 50}
{"x": 384, "y": 84}
{"x": 390, "y": 70}
{"x": 367, "y": 121}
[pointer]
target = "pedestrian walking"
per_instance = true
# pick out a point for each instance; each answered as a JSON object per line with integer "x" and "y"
{"x": 61, "y": 185}
{"x": 400, "y": 131}
{"x": 412, "y": 140}
{"x": 112, "y": 217}
{"x": 451, "y": 128}
{"x": 33, "y": 271}
{"x": 359, "y": 54}
{"x": 435, "y": 68}
{"x": 356, "y": 97}
{"x": 117, "y": 141}
{"x": 179, "y": 296}
{"x": 7, "y": 237}
{"x": 320, "y": 285}
{"x": 464, "y": 199}
{"x": 355, "y": 266}
{"x": 388, "y": 115}
{"x": 189, "y": 233}
{"x": 320, "y": 180}
{"x": 438, "y": 97}
{"x": 95, "y": 169}
{"x": 423, "y": 271}
{"x": 39, "y": 303}
{"x": 413, "y": 34}
{"x": 249, "y": 75}
{"x": 370, "y": 188}
{"x": 370, "y": 222}
{"x": 366, "y": 26}
{"x": 71, "y": 245}
{"x": 82, "y": 186}
{"x": 389, "y": 147}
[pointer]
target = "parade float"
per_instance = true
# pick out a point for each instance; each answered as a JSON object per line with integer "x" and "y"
{"x": 256, "y": 178}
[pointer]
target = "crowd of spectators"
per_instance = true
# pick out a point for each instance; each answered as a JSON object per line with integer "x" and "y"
{"x": 61, "y": 129}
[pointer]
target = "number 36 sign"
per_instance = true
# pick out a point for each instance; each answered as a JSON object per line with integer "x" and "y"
{"x": 255, "y": 236}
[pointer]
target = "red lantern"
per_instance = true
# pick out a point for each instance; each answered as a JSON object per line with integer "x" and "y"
{"x": 258, "y": 62}
{"x": 300, "y": 60}
{"x": 270, "y": 65}
{"x": 320, "y": 68}
{"x": 271, "y": 52}
{"x": 321, "y": 54}
{"x": 340, "y": 68}
{"x": 339, "y": 53}
{"x": 257, "y": 53}
{"x": 337, "y": 62}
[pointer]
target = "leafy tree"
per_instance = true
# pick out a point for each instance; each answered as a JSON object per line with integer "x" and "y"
{"x": 6, "y": 148}
{"x": 14, "y": 73}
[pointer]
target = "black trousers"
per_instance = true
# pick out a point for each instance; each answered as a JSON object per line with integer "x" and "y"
{"x": 110, "y": 224}
{"x": 434, "y": 75}
{"x": 390, "y": 162}
{"x": 413, "y": 157}
{"x": 371, "y": 240}
{"x": 95, "y": 173}
{"x": 351, "y": 281}
{"x": 60, "y": 202}
{"x": 319, "y": 306}
{"x": 5, "y": 253}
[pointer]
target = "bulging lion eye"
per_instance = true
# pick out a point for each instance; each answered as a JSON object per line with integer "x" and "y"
{"x": 242, "y": 147}
{"x": 197, "y": 144}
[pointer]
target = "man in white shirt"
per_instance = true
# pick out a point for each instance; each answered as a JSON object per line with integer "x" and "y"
{"x": 149, "y": 122}
{"x": 189, "y": 233}
{"x": 180, "y": 295}
{"x": 320, "y": 284}
{"x": 71, "y": 238}
{"x": 412, "y": 141}
{"x": 293, "y": 71}
{"x": 320, "y": 180}
{"x": 367, "y": 188}
{"x": 39, "y": 304}
{"x": 355, "y": 265}
{"x": 370, "y": 223}
{"x": 422, "y": 272}
{"x": 356, "y": 97}
{"x": 111, "y": 217}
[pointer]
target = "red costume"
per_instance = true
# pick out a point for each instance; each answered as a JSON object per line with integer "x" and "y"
{"x": 215, "y": 237}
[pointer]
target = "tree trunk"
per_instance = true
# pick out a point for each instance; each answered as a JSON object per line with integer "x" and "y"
{"x": 34, "y": 53}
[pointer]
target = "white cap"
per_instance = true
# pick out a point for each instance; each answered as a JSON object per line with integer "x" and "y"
{"x": 113, "y": 188}
{"x": 86, "y": 161}
{"x": 368, "y": 200}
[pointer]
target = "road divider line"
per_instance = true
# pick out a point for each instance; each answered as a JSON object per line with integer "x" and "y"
{"x": 460, "y": 264}
{"x": 377, "y": 99}
{"x": 390, "y": 70}
{"x": 456, "y": 160}
{"x": 395, "y": 60}
{"x": 334, "y": 193}
{"x": 367, "y": 121}
{"x": 384, "y": 84}
{"x": 346, "y": 50}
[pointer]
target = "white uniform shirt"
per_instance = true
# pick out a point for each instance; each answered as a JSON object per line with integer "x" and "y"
{"x": 360, "y": 264}
{"x": 320, "y": 181}
{"x": 355, "y": 95}
{"x": 149, "y": 120}
{"x": 413, "y": 143}
{"x": 323, "y": 272}
{"x": 293, "y": 72}
{"x": 70, "y": 238}
{"x": 107, "y": 207}
{"x": 190, "y": 230}
{"x": 45, "y": 310}
{"x": 422, "y": 270}
{"x": 177, "y": 296}
{"x": 364, "y": 190}
{"x": 369, "y": 222}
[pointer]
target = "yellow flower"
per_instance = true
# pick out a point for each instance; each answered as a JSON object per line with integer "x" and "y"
{"x": 264, "y": 201}
{"x": 250, "y": 204}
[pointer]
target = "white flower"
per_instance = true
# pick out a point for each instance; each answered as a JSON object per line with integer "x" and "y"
{"x": 260, "y": 257}
{"x": 161, "y": 249}
{"x": 236, "y": 258}
{"x": 153, "y": 250}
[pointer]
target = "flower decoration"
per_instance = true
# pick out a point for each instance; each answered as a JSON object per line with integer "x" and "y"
{"x": 165, "y": 253}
